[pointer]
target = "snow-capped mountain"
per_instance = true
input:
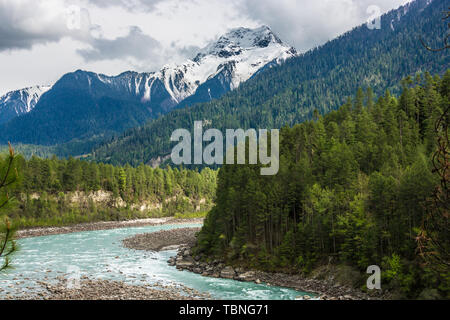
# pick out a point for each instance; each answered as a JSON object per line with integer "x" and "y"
{"x": 84, "y": 103}
{"x": 232, "y": 59}
{"x": 246, "y": 50}
{"x": 16, "y": 103}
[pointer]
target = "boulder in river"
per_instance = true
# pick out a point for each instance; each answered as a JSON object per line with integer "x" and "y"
{"x": 185, "y": 263}
{"x": 228, "y": 273}
{"x": 247, "y": 276}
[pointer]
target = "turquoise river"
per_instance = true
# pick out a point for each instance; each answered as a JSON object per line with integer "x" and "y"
{"x": 101, "y": 255}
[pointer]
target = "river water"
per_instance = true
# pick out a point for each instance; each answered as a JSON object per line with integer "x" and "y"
{"x": 101, "y": 255}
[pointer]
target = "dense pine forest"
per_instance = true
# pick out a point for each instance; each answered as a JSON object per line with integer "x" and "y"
{"x": 60, "y": 192}
{"x": 353, "y": 190}
{"x": 321, "y": 79}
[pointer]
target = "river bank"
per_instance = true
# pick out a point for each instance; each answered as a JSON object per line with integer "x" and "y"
{"x": 95, "y": 226}
{"x": 326, "y": 289}
{"x": 111, "y": 290}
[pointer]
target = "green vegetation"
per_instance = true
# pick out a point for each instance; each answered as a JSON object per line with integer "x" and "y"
{"x": 64, "y": 150}
{"x": 192, "y": 215}
{"x": 320, "y": 79}
{"x": 60, "y": 192}
{"x": 354, "y": 188}
{"x": 8, "y": 178}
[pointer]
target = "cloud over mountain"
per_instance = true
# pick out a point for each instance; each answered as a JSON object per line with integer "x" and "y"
{"x": 111, "y": 36}
{"x": 143, "y": 46}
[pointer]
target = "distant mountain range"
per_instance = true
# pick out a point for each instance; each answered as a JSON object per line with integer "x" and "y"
{"x": 83, "y": 104}
{"x": 321, "y": 79}
{"x": 84, "y": 113}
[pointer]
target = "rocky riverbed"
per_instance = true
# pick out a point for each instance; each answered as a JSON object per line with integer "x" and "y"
{"x": 162, "y": 240}
{"x": 37, "y": 232}
{"x": 112, "y": 290}
{"x": 325, "y": 289}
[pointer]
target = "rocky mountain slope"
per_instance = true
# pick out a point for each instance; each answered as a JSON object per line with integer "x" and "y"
{"x": 19, "y": 102}
{"x": 83, "y": 104}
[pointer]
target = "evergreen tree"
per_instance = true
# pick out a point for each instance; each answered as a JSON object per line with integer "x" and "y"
{"x": 353, "y": 185}
{"x": 8, "y": 177}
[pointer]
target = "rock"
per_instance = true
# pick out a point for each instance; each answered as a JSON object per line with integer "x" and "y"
{"x": 113, "y": 290}
{"x": 171, "y": 247}
{"x": 197, "y": 270}
{"x": 228, "y": 273}
{"x": 247, "y": 276}
{"x": 257, "y": 281}
{"x": 164, "y": 240}
{"x": 184, "y": 264}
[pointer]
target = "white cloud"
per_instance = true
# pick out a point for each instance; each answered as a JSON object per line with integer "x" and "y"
{"x": 25, "y": 23}
{"x": 142, "y": 35}
{"x": 142, "y": 46}
{"x": 305, "y": 23}
{"x": 131, "y": 5}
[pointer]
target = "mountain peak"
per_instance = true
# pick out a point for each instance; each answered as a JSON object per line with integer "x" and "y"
{"x": 220, "y": 67}
{"x": 262, "y": 37}
{"x": 237, "y": 40}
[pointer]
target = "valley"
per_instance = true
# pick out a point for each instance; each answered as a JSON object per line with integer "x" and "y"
{"x": 147, "y": 185}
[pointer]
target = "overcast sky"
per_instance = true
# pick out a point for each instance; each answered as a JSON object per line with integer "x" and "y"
{"x": 40, "y": 40}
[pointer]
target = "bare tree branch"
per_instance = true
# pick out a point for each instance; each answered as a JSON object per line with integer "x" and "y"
{"x": 446, "y": 39}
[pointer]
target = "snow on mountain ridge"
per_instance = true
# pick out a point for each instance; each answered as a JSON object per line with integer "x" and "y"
{"x": 18, "y": 102}
{"x": 234, "y": 58}
{"x": 248, "y": 50}
{"x": 239, "y": 39}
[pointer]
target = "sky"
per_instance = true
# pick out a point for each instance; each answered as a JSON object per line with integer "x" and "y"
{"x": 41, "y": 40}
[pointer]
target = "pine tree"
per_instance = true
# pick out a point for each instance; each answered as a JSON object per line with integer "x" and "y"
{"x": 8, "y": 177}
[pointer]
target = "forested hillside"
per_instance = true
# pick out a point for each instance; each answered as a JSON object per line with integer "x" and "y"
{"x": 320, "y": 79}
{"x": 354, "y": 188}
{"x": 59, "y": 192}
